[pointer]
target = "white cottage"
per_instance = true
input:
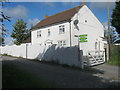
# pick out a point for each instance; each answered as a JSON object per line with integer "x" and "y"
{"x": 58, "y": 37}
{"x": 62, "y": 28}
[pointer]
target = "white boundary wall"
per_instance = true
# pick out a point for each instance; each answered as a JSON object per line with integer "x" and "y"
{"x": 62, "y": 55}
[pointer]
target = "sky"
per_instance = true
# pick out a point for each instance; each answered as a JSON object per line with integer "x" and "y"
{"x": 33, "y": 12}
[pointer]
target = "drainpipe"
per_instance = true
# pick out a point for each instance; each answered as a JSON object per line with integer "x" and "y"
{"x": 70, "y": 33}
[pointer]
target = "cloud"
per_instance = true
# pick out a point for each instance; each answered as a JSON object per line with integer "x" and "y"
{"x": 9, "y": 41}
{"x": 33, "y": 22}
{"x": 50, "y": 4}
{"x": 101, "y": 5}
{"x": 18, "y": 12}
{"x": 71, "y": 3}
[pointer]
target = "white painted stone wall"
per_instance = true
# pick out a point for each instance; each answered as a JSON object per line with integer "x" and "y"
{"x": 14, "y": 50}
{"x": 61, "y": 55}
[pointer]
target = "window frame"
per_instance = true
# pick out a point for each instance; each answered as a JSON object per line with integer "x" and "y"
{"x": 62, "y": 43}
{"x": 39, "y": 34}
{"x": 49, "y": 32}
{"x": 61, "y": 29}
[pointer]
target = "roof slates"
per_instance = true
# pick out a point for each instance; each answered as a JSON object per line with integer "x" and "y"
{"x": 62, "y": 16}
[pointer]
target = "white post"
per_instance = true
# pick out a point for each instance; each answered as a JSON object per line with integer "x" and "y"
{"x": 26, "y": 51}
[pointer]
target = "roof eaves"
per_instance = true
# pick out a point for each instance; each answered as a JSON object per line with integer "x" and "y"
{"x": 67, "y": 20}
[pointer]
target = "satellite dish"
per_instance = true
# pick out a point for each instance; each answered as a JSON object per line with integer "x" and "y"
{"x": 75, "y": 22}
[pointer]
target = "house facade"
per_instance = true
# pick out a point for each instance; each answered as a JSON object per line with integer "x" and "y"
{"x": 64, "y": 28}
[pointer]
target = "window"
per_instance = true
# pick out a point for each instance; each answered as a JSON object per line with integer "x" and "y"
{"x": 85, "y": 21}
{"x": 64, "y": 43}
{"x": 38, "y": 34}
{"x": 61, "y": 43}
{"x": 61, "y": 29}
{"x": 48, "y": 32}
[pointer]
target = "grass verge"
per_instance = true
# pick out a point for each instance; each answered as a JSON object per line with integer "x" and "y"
{"x": 114, "y": 61}
{"x": 115, "y": 55}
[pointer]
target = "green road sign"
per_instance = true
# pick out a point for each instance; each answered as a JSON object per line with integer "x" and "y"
{"x": 83, "y": 35}
{"x": 84, "y": 41}
{"x": 83, "y": 38}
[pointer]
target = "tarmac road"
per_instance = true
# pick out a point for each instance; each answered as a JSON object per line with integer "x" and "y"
{"x": 102, "y": 76}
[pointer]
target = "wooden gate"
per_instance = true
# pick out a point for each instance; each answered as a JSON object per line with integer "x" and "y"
{"x": 95, "y": 58}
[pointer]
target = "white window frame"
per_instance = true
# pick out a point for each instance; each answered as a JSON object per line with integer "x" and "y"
{"x": 62, "y": 43}
{"x": 61, "y": 29}
{"x": 49, "y": 32}
{"x": 39, "y": 34}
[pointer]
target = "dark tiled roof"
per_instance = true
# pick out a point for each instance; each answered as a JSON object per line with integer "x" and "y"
{"x": 28, "y": 40}
{"x": 62, "y": 16}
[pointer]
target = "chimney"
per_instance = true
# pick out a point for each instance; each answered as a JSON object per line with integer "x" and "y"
{"x": 83, "y": 3}
{"x": 46, "y": 16}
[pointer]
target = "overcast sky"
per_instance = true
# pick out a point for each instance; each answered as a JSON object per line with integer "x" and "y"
{"x": 33, "y": 12}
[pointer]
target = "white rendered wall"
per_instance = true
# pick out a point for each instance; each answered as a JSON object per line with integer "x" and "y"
{"x": 54, "y": 36}
{"x": 93, "y": 28}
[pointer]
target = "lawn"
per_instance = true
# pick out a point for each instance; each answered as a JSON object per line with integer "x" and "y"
{"x": 13, "y": 77}
{"x": 115, "y": 55}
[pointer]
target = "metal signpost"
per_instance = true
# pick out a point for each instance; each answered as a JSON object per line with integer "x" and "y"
{"x": 81, "y": 38}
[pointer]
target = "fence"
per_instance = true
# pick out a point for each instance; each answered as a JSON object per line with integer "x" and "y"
{"x": 61, "y": 55}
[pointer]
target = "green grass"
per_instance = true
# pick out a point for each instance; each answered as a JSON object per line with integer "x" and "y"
{"x": 13, "y": 77}
{"x": 115, "y": 56}
{"x": 114, "y": 61}
{"x": 5, "y": 54}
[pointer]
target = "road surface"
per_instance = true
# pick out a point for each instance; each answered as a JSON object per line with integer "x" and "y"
{"x": 102, "y": 76}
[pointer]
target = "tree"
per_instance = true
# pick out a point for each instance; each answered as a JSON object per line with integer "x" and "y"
{"x": 113, "y": 34}
{"x": 1, "y": 39}
{"x": 2, "y": 18}
{"x": 116, "y": 17}
{"x": 20, "y": 32}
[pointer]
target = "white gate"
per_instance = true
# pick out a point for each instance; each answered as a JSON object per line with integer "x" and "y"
{"x": 95, "y": 58}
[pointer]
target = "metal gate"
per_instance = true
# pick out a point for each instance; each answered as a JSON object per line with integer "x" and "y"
{"x": 95, "y": 58}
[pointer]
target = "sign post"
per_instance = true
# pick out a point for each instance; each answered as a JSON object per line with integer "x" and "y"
{"x": 81, "y": 38}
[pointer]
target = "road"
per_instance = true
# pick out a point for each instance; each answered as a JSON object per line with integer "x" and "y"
{"x": 102, "y": 76}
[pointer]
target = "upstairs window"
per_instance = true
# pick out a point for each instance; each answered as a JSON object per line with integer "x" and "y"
{"x": 38, "y": 34}
{"x": 61, "y": 29}
{"x": 48, "y": 32}
{"x": 61, "y": 43}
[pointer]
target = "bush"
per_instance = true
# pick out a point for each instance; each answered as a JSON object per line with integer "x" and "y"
{"x": 115, "y": 55}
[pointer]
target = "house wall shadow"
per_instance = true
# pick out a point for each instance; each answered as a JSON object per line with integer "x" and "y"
{"x": 61, "y": 55}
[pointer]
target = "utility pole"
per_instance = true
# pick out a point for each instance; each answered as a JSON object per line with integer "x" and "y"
{"x": 109, "y": 37}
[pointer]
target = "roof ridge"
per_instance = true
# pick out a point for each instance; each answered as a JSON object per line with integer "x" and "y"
{"x": 58, "y": 17}
{"x": 64, "y": 11}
